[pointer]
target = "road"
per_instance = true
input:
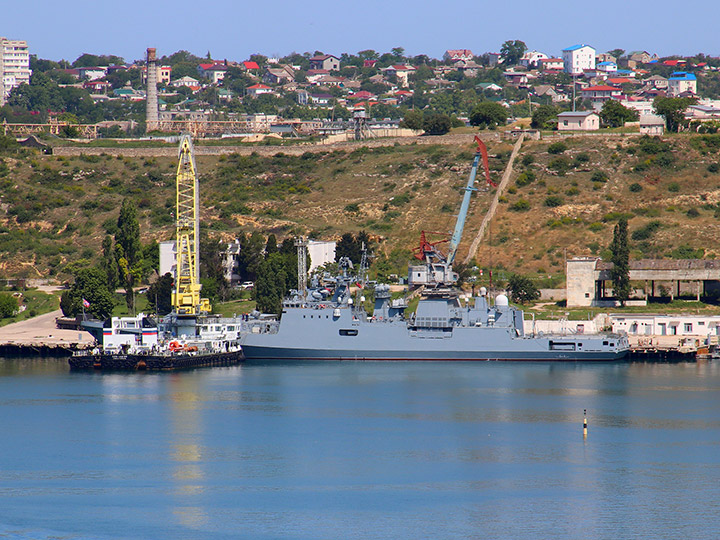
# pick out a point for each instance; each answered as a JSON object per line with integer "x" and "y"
{"x": 41, "y": 330}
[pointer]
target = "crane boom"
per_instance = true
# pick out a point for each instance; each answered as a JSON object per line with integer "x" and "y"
{"x": 464, "y": 207}
{"x": 186, "y": 297}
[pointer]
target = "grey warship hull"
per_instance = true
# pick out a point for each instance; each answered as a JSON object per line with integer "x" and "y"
{"x": 332, "y": 333}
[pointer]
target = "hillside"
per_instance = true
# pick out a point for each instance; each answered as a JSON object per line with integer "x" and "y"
{"x": 57, "y": 209}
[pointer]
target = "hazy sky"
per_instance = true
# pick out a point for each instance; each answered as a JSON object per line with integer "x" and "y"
{"x": 234, "y": 29}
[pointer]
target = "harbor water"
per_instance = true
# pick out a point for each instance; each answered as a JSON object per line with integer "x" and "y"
{"x": 361, "y": 450}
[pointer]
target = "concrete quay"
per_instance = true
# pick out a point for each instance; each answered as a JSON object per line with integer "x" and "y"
{"x": 40, "y": 336}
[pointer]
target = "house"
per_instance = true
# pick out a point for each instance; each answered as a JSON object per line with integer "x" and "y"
{"x": 681, "y": 82}
{"x": 606, "y": 67}
{"x": 325, "y": 61}
{"x": 489, "y": 86}
{"x": 493, "y": 58}
{"x": 661, "y": 83}
{"x": 363, "y": 94}
{"x": 320, "y": 99}
{"x": 674, "y": 63}
{"x": 531, "y": 59}
{"x": 92, "y": 73}
{"x": 314, "y": 74}
{"x": 164, "y": 73}
{"x": 257, "y": 90}
{"x": 214, "y": 71}
{"x": 188, "y": 81}
{"x": 250, "y": 66}
{"x": 651, "y": 124}
{"x": 97, "y": 87}
{"x": 702, "y": 112}
{"x": 545, "y": 90}
{"x": 225, "y": 94}
{"x": 605, "y": 57}
{"x": 578, "y": 121}
{"x": 598, "y": 95}
{"x": 458, "y": 54}
{"x": 642, "y": 57}
{"x": 467, "y": 67}
{"x": 578, "y": 58}
{"x": 279, "y": 75}
{"x": 551, "y": 64}
{"x": 401, "y": 71}
{"x": 516, "y": 78}
{"x": 369, "y": 63}
{"x": 329, "y": 80}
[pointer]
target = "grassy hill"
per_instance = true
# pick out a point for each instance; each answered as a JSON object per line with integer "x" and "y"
{"x": 562, "y": 201}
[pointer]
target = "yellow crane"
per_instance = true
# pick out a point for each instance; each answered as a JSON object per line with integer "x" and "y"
{"x": 186, "y": 298}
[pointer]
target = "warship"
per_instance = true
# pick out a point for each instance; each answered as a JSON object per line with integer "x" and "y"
{"x": 330, "y": 322}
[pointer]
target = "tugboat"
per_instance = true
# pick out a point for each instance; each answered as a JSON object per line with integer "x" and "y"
{"x": 186, "y": 338}
{"x": 318, "y": 324}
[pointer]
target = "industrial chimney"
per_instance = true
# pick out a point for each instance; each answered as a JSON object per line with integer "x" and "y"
{"x": 151, "y": 114}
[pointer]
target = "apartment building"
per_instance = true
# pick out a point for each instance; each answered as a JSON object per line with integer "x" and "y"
{"x": 14, "y": 66}
{"x": 578, "y": 58}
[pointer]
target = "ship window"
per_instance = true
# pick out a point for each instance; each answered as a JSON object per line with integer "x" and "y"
{"x": 303, "y": 316}
{"x": 230, "y": 328}
{"x": 605, "y": 343}
{"x": 352, "y": 332}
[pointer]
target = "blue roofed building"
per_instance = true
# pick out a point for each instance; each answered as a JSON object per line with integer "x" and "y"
{"x": 578, "y": 58}
{"x": 682, "y": 82}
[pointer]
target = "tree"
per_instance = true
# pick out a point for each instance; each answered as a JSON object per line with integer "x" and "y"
{"x": 488, "y": 113}
{"x": 272, "y": 283}
{"x": 159, "y": 294}
{"x": 413, "y": 120}
{"x": 617, "y": 53}
{"x": 212, "y": 272}
{"x": 271, "y": 246}
{"x": 250, "y": 256}
{"x": 542, "y": 116}
{"x": 8, "y": 305}
{"x": 620, "y": 273}
{"x": 512, "y": 51}
{"x": 129, "y": 250}
{"x": 615, "y": 114}
{"x": 673, "y": 110}
{"x": 90, "y": 285}
{"x": 522, "y": 289}
{"x": 437, "y": 124}
{"x": 109, "y": 263}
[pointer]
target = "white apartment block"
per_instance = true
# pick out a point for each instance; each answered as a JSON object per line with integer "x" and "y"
{"x": 14, "y": 66}
{"x": 578, "y": 58}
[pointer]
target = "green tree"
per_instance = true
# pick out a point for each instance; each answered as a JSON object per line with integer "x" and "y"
{"x": 109, "y": 263}
{"x": 159, "y": 294}
{"x": 615, "y": 114}
{"x": 412, "y": 120}
{"x": 673, "y": 110}
{"x": 617, "y": 53}
{"x": 488, "y": 113}
{"x": 129, "y": 250}
{"x": 522, "y": 289}
{"x": 542, "y": 116}
{"x": 620, "y": 273}
{"x": 512, "y": 51}
{"x": 251, "y": 255}
{"x": 271, "y": 246}
{"x": 270, "y": 286}
{"x": 212, "y": 273}
{"x": 90, "y": 284}
{"x": 437, "y": 124}
{"x": 8, "y": 305}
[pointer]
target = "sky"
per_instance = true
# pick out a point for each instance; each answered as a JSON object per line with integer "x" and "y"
{"x": 235, "y": 29}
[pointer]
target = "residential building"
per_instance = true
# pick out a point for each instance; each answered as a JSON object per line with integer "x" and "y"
{"x": 516, "y": 78}
{"x": 598, "y": 95}
{"x": 14, "y": 66}
{"x": 188, "y": 81}
{"x": 402, "y": 72}
{"x": 680, "y": 82}
{"x": 279, "y": 74}
{"x": 652, "y": 125}
{"x": 164, "y": 74}
{"x": 605, "y": 57}
{"x": 578, "y": 121}
{"x": 606, "y": 67}
{"x": 642, "y": 57}
{"x": 325, "y": 61}
{"x": 458, "y": 54}
{"x": 531, "y": 59}
{"x": 551, "y": 64}
{"x": 493, "y": 58}
{"x": 578, "y": 58}
{"x": 545, "y": 90}
{"x": 657, "y": 81}
{"x": 214, "y": 71}
{"x": 92, "y": 73}
{"x": 250, "y": 66}
{"x": 258, "y": 89}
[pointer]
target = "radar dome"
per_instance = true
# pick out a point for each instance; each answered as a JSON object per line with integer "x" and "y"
{"x": 483, "y": 291}
{"x": 501, "y": 300}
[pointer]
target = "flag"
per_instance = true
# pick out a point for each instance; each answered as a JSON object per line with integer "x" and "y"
{"x": 86, "y": 304}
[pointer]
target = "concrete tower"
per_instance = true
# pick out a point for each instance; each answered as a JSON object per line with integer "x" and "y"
{"x": 151, "y": 114}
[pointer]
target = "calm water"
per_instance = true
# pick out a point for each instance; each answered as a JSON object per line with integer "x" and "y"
{"x": 361, "y": 450}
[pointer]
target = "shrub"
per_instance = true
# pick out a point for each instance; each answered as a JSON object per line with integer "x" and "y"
{"x": 557, "y": 147}
{"x": 525, "y": 178}
{"x": 352, "y": 208}
{"x": 553, "y": 201}
{"x": 583, "y": 157}
{"x": 673, "y": 187}
{"x": 599, "y": 176}
{"x": 692, "y": 213}
{"x": 635, "y": 188}
{"x": 560, "y": 164}
{"x": 714, "y": 167}
{"x": 596, "y": 226}
{"x": 520, "y": 206}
